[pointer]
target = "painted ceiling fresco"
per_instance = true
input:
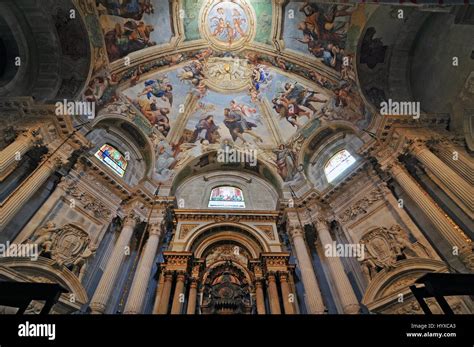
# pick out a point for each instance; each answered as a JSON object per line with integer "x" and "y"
{"x": 130, "y": 26}
{"x": 226, "y": 78}
{"x": 317, "y": 29}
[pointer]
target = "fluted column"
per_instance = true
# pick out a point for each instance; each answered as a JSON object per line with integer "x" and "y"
{"x": 260, "y": 300}
{"x": 8, "y": 156}
{"x": 273, "y": 294}
{"x": 451, "y": 232}
{"x": 17, "y": 199}
{"x": 177, "y": 306}
{"x": 288, "y": 302}
{"x": 314, "y": 300}
{"x": 192, "y": 297}
{"x": 165, "y": 295}
{"x": 142, "y": 275}
{"x": 40, "y": 215}
{"x": 106, "y": 285}
{"x": 456, "y": 184}
{"x": 462, "y": 165}
{"x": 345, "y": 292}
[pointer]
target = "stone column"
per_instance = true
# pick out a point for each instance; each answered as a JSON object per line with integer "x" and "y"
{"x": 192, "y": 297}
{"x": 159, "y": 290}
{"x": 273, "y": 294}
{"x": 106, "y": 285}
{"x": 287, "y": 296}
{"x": 8, "y": 156}
{"x": 451, "y": 232}
{"x": 178, "y": 301}
{"x": 345, "y": 292}
{"x": 259, "y": 298}
{"x": 142, "y": 275}
{"x": 314, "y": 300}
{"x": 40, "y": 215}
{"x": 165, "y": 295}
{"x": 16, "y": 200}
{"x": 456, "y": 184}
{"x": 463, "y": 165}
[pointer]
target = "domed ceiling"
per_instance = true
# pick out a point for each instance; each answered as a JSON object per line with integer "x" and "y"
{"x": 193, "y": 75}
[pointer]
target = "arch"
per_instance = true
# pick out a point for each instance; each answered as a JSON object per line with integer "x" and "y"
{"x": 249, "y": 275}
{"x": 146, "y": 151}
{"x": 193, "y": 168}
{"x": 44, "y": 267}
{"x": 207, "y": 235}
{"x": 404, "y": 274}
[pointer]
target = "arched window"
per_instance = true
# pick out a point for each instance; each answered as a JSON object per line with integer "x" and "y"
{"x": 338, "y": 163}
{"x": 226, "y": 197}
{"x": 113, "y": 158}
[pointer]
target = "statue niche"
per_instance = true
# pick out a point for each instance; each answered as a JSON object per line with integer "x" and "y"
{"x": 226, "y": 291}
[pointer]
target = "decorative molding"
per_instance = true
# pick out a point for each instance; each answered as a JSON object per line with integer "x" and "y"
{"x": 361, "y": 206}
{"x": 268, "y": 230}
{"x": 184, "y": 229}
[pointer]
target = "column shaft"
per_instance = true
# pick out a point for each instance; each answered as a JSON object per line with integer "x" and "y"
{"x": 287, "y": 296}
{"x": 192, "y": 297}
{"x": 344, "y": 288}
{"x": 17, "y": 199}
{"x": 8, "y": 155}
{"x": 178, "y": 301}
{"x": 456, "y": 184}
{"x": 142, "y": 275}
{"x": 314, "y": 300}
{"x": 451, "y": 232}
{"x": 165, "y": 295}
{"x": 259, "y": 297}
{"x": 273, "y": 295}
{"x": 159, "y": 290}
{"x": 104, "y": 289}
{"x": 462, "y": 165}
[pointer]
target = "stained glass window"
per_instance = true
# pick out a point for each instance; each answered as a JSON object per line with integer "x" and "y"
{"x": 226, "y": 197}
{"x": 338, "y": 163}
{"x": 113, "y": 158}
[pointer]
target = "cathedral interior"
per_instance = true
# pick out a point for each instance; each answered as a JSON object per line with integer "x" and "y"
{"x": 236, "y": 156}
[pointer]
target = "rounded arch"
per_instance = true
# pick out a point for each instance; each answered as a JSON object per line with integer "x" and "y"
{"x": 141, "y": 143}
{"x": 323, "y": 145}
{"x": 245, "y": 271}
{"x": 387, "y": 283}
{"x": 208, "y": 235}
{"x": 44, "y": 269}
{"x": 207, "y": 162}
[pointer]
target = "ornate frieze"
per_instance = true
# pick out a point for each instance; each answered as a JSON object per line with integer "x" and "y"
{"x": 184, "y": 229}
{"x": 225, "y": 216}
{"x": 268, "y": 230}
{"x": 177, "y": 261}
{"x": 361, "y": 206}
{"x": 275, "y": 261}
{"x": 89, "y": 202}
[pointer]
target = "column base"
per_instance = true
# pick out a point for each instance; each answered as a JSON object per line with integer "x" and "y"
{"x": 97, "y": 308}
{"x": 351, "y": 309}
